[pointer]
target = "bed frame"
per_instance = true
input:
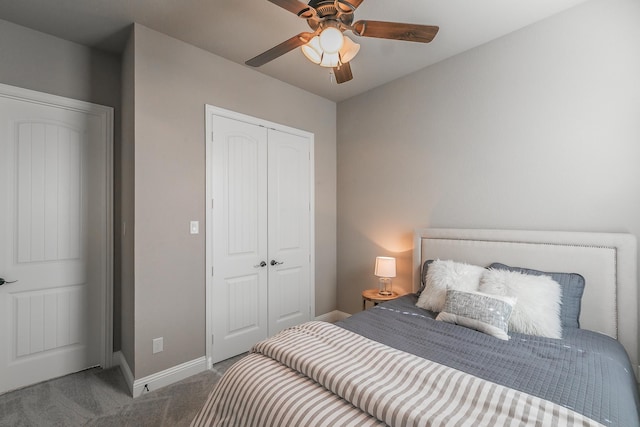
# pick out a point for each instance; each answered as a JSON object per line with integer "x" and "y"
{"x": 607, "y": 261}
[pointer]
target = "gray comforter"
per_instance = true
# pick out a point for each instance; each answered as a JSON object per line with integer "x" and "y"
{"x": 585, "y": 371}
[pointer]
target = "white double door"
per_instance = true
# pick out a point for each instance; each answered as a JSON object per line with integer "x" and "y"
{"x": 53, "y": 236}
{"x": 261, "y": 234}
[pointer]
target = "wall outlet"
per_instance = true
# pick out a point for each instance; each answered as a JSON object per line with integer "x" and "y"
{"x": 158, "y": 345}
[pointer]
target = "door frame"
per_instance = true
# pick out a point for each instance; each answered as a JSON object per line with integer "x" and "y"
{"x": 105, "y": 115}
{"x": 217, "y": 111}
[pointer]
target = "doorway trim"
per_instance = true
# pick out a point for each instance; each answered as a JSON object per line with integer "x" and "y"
{"x": 105, "y": 115}
{"x": 213, "y": 110}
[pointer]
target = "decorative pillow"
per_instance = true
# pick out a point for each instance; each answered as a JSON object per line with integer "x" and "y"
{"x": 443, "y": 275}
{"x": 423, "y": 275}
{"x": 571, "y": 287}
{"x": 538, "y": 309}
{"x": 476, "y": 310}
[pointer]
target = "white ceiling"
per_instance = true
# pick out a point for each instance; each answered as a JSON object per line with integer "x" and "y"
{"x": 240, "y": 29}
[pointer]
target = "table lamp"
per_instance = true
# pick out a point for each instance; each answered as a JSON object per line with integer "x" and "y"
{"x": 385, "y": 270}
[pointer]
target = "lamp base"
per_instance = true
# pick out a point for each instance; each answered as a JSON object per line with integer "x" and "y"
{"x": 384, "y": 287}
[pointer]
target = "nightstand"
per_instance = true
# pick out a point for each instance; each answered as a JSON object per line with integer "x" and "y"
{"x": 373, "y": 296}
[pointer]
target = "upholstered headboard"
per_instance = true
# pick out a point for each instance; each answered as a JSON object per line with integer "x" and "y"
{"x": 607, "y": 261}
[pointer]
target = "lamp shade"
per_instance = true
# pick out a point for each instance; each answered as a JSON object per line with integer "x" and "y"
{"x": 385, "y": 266}
{"x": 349, "y": 50}
{"x": 331, "y": 40}
{"x": 330, "y": 60}
{"x": 312, "y": 50}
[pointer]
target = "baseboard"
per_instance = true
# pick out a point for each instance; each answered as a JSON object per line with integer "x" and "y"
{"x": 180, "y": 372}
{"x": 169, "y": 376}
{"x": 159, "y": 379}
{"x": 333, "y": 316}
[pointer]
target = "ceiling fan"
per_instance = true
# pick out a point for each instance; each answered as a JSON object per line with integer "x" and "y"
{"x": 326, "y": 45}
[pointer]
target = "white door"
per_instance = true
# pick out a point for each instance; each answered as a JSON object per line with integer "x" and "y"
{"x": 289, "y": 225}
{"x": 260, "y": 235}
{"x": 239, "y": 236}
{"x": 53, "y": 224}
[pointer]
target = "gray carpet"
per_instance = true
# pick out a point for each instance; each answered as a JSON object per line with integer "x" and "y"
{"x": 100, "y": 398}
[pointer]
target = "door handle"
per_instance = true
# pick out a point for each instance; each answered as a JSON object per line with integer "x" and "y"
{"x": 3, "y": 281}
{"x": 274, "y": 262}
{"x": 262, "y": 264}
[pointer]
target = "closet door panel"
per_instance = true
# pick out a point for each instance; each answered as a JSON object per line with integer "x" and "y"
{"x": 289, "y": 221}
{"x": 239, "y": 286}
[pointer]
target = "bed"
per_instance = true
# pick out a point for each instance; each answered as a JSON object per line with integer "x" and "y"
{"x": 395, "y": 364}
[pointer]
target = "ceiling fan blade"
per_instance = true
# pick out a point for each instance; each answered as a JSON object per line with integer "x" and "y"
{"x": 343, "y": 73}
{"x": 279, "y": 50}
{"x": 347, "y": 6}
{"x": 295, "y": 6}
{"x": 396, "y": 31}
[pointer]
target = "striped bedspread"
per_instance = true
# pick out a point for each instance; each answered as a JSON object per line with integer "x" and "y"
{"x": 318, "y": 374}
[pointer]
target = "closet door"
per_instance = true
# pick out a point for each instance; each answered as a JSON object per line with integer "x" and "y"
{"x": 289, "y": 229}
{"x": 239, "y": 236}
{"x": 259, "y": 231}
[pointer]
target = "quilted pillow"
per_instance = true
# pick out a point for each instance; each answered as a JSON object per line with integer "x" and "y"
{"x": 537, "y": 311}
{"x": 482, "y": 312}
{"x": 444, "y": 275}
{"x": 571, "y": 289}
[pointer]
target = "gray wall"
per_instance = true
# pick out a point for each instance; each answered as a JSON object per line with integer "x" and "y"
{"x": 537, "y": 130}
{"x": 38, "y": 61}
{"x": 172, "y": 83}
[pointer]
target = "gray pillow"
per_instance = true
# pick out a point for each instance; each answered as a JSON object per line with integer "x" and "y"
{"x": 423, "y": 276}
{"x": 571, "y": 286}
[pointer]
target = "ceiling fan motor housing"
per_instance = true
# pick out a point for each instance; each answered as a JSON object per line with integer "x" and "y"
{"x": 330, "y": 15}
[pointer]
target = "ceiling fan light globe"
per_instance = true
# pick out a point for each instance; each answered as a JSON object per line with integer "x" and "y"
{"x": 349, "y": 50}
{"x": 330, "y": 60}
{"x": 331, "y": 40}
{"x": 312, "y": 50}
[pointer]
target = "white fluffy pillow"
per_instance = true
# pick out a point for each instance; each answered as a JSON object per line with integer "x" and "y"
{"x": 537, "y": 311}
{"x": 443, "y": 275}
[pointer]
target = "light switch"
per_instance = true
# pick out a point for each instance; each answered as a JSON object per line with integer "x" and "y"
{"x": 194, "y": 227}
